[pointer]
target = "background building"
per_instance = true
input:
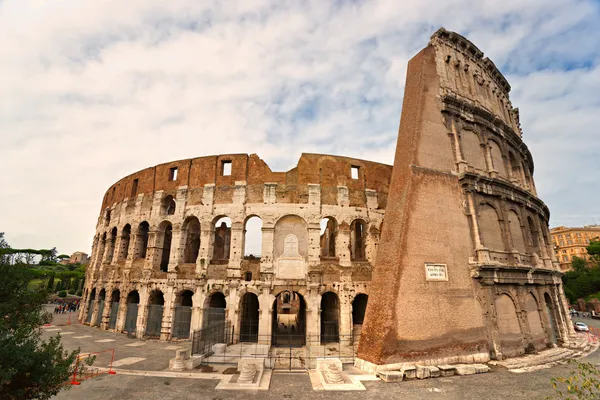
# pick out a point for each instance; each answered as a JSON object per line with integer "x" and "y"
{"x": 572, "y": 242}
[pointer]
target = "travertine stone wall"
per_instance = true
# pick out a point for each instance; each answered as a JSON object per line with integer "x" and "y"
{"x": 169, "y": 213}
{"x": 462, "y": 197}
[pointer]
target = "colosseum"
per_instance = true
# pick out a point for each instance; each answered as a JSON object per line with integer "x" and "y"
{"x": 462, "y": 270}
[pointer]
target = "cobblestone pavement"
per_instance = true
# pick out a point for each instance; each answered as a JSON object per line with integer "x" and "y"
{"x": 148, "y": 355}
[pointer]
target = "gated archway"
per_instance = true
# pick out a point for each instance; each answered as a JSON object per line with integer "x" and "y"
{"x": 214, "y": 314}
{"x": 88, "y": 318}
{"x": 155, "y": 313}
{"x": 249, "y": 319}
{"x": 183, "y": 315}
{"x": 330, "y": 316}
{"x": 133, "y": 302}
{"x": 289, "y": 316}
{"x": 114, "y": 308}
{"x": 359, "y": 307}
{"x": 550, "y": 312}
{"x": 101, "y": 298}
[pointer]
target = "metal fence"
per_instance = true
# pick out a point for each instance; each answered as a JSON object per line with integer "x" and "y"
{"x": 288, "y": 356}
{"x": 204, "y": 339}
{"x": 154, "y": 322}
{"x": 114, "y": 311}
{"x": 131, "y": 318}
{"x": 183, "y": 319}
{"x": 100, "y": 311}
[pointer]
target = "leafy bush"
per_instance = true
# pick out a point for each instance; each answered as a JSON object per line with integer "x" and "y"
{"x": 62, "y": 293}
{"x": 72, "y": 291}
{"x": 581, "y": 383}
{"x": 78, "y": 293}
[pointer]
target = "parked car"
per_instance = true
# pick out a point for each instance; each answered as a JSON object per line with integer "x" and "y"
{"x": 581, "y": 327}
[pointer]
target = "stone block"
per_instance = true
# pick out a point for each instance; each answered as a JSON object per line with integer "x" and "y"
{"x": 434, "y": 372}
{"x": 391, "y": 376}
{"x": 422, "y": 372}
{"x": 410, "y": 371}
{"x": 481, "y": 368}
{"x": 219, "y": 348}
{"x": 465, "y": 369}
{"x": 447, "y": 370}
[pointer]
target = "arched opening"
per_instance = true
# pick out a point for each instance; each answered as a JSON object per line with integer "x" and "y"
{"x": 168, "y": 205}
{"x": 534, "y": 321}
{"x": 516, "y": 233}
{"x": 289, "y": 316}
{"x": 214, "y": 314}
{"x": 249, "y": 319}
{"x": 328, "y": 236}
{"x": 359, "y": 307}
{"x": 141, "y": 240}
{"x": 101, "y": 299}
{"x": 358, "y": 240}
{"x": 509, "y": 328}
{"x": 222, "y": 240}
{"x": 155, "y": 313}
{"x": 111, "y": 245}
{"x": 164, "y": 245}
{"x": 515, "y": 169}
{"x": 115, "y": 298}
{"x": 192, "y": 240}
{"x": 133, "y": 301}
{"x": 253, "y": 238}
{"x": 490, "y": 228}
{"x": 533, "y": 235}
{"x": 91, "y": 301}
{"x": 183, "y": 314}
{"x": 550, "y": 312}
{"x": 497, "y": 159}
{"x": 472, "y": 150}
{"x": 330, "y": 316}
{"x": 527, "y": 174}
{"x": 125, "y": 238}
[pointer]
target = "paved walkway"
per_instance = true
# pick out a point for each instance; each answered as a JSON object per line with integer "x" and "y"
{"x": 135, "y": 358}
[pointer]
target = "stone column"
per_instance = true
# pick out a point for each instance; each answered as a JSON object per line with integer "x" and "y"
{"x": 154, "y": 251}
{"x": 133, "y": 243}
{"x": 461, "y": 164}
{"x": 116, "y": 249}
{"x": 314, "y": 244}
{"x": 206, "y": 247}
{"x": 342, "y": 245}
{"x": 120, "y": 325}
{"x": 176, "y": 250}
{"x": 313, "y": 313}
{"x": 562, "y": 319}
{"x": 142, "y": 310}
{"x": 266, "y": 256}
{"x": 168, "y": 313}
{"x": 107, "y": 307}
{"x": 235, "y": 250}
{"x": 345, "y": 317}
{"x": 95, "y": 307}
{"x": 265, "y": 316}
{"x": 490, "y": 162}
{"x": 564, "y": 304}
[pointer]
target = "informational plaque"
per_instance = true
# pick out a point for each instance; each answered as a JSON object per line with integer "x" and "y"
{"x": 436, "y": 272}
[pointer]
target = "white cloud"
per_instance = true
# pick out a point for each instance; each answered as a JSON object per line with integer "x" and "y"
{"x": 92, "y": 91}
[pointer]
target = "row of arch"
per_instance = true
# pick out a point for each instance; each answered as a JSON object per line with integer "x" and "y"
{"x": 507, "y": 230}
{"x": 290, "y": 304}
{"x": 486, "y": 155}
{"x": 252, "y": 240}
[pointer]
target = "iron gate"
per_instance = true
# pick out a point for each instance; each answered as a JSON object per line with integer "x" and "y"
{"x": 154, "y": 322}
{"x": 330, "y": 332}
{"x": 114, "y": 311}
{"x": 100, "y": 311}
{"x": 204, "y": 339}
{"x": 131, "y": 318}
{"x": 183, "y": 319}
{"x": 88, "y": 319}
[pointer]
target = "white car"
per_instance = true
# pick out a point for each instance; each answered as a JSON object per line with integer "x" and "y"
{"x": 581, "y": 327}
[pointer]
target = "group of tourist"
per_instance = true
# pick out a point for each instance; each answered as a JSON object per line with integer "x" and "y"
{"x": 63, "y": 307}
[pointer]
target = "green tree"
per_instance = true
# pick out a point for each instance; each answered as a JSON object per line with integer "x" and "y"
{"x": 593, "y": 250}
{"x": 30, "y": 368}
{"x": 50, "y": 285}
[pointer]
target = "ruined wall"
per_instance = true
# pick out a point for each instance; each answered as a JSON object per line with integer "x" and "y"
{"x": 464, "y": 229}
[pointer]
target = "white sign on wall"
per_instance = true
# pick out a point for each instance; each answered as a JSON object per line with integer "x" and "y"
{"x": 436, "y": 272}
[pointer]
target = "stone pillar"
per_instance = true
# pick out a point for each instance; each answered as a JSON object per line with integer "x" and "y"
{"x": 235, "y": 250}
{"x": 343, "y": 198}
{"x": 198, "y": 302}
{"x": 120, "y": 325}
{"x": 493, "y": 334}
{"x": 461, "y": 164}
{"x": 142, "y": 311}
{"x": 95, "y": 306}
{"x": 562, "y": 318}
{"x": 107, "y": 307}
{"x": 265, "y": 316}
{"x": 175, "y": 257}
{"x": 206, "y": 246}
{"x": 345, "y": 317}
{"x": 153, "y": 252}
{"x": 168, "y": 312}
{"x": 342, "y": 245}
{"x": 116, "y": 249}
{"x": 490, "y": 162}
{"x": 565, "y": 305}
{"x": 313, "y": 313}
{"x": 266, "y": 256}
{"x": 314, "y": 244}
{"x": 133, "y": 243}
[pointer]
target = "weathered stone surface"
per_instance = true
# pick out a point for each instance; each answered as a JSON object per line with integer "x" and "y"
{"x": 422, "y": 372}
{"x": 391, "y": 376}
{"x": 465, "y": 369}
{"x": 434, "y": 372}
{"x": 410, "y": 371}
{"x": 481, "y": 368}
{"x": 447, "y": 370}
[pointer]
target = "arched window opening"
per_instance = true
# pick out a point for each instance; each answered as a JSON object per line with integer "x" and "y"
{"x": 515, "y": 169}
{"x": 192, "y": 240}
{"x": 248, "y": 276}
{"x": 183, "y": 315}
{"x": 168, "y": 205}
{"x": 509, "y": 328}
{"x": 328, "y": 237}
{"x": 472, "y": 150}
{"x": 497, "y": 159}
{"x": 516, "y": 232}
{"x": 490, "y": 228}
{"x": 114, "y": 308}
{"x": 222, "y": 240}
{"x": 550, "y": 312}
{"x": 107, "y": 217}
{"x": 330, "y": 314}
{"x": 214, "y": 314}
{"x": 359, "y": 308}
{"x": 155, "y": 313}
{"x": 165, "y": 247}
{"x": 102, "y": 299}
{"x": 533, "y": 234}
{"x": 534, "y": 321}
{"x": 253, "y": 238}
{"x": 358, "y": 240}
{"x": 288, "y": 324}
{"x": 125, "y": 238}
{"x": 133, "y": 301}
{"x": 111, "y": 245}
{"x": 91, "y": 301}
{"x": 141, "y": 240}
{"x": 249, "y": 318}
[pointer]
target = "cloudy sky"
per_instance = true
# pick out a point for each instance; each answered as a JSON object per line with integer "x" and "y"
{"x": 93, "y": 90}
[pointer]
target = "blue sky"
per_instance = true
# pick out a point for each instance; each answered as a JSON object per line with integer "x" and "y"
{"x": 93, "y": 90}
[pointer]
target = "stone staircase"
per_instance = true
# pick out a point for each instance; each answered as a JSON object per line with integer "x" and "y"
{"x": 579, "y": 346}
